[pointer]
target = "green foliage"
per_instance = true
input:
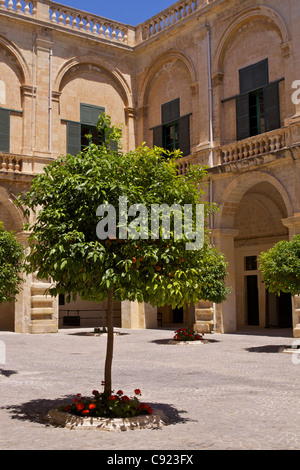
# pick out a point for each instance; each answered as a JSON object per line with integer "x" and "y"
{"x": 280, "y": 267}
{"x": 63, "y": 241}
{"x": 11, "y": 264}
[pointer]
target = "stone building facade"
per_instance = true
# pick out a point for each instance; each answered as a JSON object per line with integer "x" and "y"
{"x": 217, "y": 78}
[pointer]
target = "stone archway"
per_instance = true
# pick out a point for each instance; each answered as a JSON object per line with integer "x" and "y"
{"x": 253, "y": 207}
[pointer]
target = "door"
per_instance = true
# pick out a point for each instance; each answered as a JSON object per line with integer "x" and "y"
{"x": 252, "y": 300}
{"x": 279, "y": 310}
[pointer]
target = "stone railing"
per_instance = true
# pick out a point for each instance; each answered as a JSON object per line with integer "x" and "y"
{"x": 24, "y": 6}
{"x": 253, "y": 146}
{"x": 98, "y": 26}
{"x": 183, "y": 167}
{"x": 168, "y": 17}
{"x": 11, "y": 163}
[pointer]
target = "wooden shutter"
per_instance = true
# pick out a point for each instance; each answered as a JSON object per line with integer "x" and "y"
{"x": 184, "y": 135}
{"x": 73, "y": 137}
{"x": 89, "y": 114}
{"x": 4, "y": 130}
{"x": 242, "y": 117}
{"x": 170, "y": 111}
{"x": 271, "y": 106}
{"x": 158, "y": 136}
{"x": 254, "y": 76}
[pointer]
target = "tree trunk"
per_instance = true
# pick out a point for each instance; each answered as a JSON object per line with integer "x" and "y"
{"x": 110, "y": 344}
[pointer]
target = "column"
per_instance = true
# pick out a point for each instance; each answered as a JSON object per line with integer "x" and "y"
{"x": 138, "y": 315}
{"x": 226, "y": 311}
{"x": 43, "y": 88}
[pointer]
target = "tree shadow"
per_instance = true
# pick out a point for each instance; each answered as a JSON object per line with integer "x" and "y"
{"x": 7, "y": 373}
{"x": 36, "y": 410}
{"x": 171, "y": 343}
{"x": 270, "y": 348}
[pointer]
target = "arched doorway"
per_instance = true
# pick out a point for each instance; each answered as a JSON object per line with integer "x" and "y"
{"x": 253, "y": 206}
{"x": 258, "y": 222}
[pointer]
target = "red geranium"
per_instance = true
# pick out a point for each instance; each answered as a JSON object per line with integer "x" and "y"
{"x": 137, "y": 391}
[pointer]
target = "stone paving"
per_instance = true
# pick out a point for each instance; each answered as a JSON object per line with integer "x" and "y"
{"x": 235, "y": 392}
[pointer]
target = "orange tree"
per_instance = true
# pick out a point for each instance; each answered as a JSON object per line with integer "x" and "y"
{"x": 11, "y": 265}
{"x": 280, "y": 267}
{"x": 65, "y": 245}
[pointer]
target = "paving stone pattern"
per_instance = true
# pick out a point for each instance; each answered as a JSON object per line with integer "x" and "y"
{"x": 236, "y": 391}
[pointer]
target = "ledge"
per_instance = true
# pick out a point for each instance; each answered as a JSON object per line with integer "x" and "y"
{"x": 67, "y": 420}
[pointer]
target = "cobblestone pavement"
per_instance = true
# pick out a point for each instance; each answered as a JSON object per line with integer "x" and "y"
{"x": 236, "y": 391}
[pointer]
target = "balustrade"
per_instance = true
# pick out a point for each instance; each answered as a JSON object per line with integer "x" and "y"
{"x": 85, "y": 22}
{"x": 11, "y": 163}
{"x": 258, "y": 145}
{"x": 169, "y": 17}
{"x": 25, "y": 7}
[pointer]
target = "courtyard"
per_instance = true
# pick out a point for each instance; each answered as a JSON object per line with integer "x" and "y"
{"x": 233, "y": 392}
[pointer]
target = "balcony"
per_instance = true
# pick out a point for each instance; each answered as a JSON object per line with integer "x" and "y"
{"x": 268, "y": 142}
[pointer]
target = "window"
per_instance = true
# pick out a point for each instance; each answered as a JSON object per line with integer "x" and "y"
{"x": 174, "y": 131}
{"x": 4, "y": 130}
{"x": 257, "y": 105}
{"x": 250, "y": 263}
{"x": 77, "y": 131}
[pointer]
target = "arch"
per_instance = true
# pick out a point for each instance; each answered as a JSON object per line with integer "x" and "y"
{"x": 261, "y": 11}
{"x": 106, "y": 66}
{"x": 235, "y": 191}
{"x": 157, "y": 64}
{"x": 7, "y": 200}
{"x": 14, "y": 51}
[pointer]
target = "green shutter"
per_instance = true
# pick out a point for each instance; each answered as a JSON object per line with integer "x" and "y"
{"x": 271, "y": 106}
{"x": 170, "y": 111}
{"x": 89, "y": 114}
{"x": 242, "y": 117}
{"x": 73, "y": 137}
{"x": 254, "y": 76}
{"x": 4, "y": 130}
{"x": 158, "y": 136}
{"x": 184, "y": 135}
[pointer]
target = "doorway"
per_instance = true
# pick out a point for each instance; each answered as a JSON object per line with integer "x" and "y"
{"x": 278, "y": 310}
{"x": 178, "y": 315}
{"x": 252, "y": 300}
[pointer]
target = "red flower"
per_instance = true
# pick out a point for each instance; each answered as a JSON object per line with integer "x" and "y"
{"x": 112, "y": 398}
{"x": 92, "y": 406}
{"x": 137, "y": 391}
{"x": 120, "y": 392}
{"x": 85, "y": 412}
{"x": 95, "y": 393}
{"x": 80, "y": 406}
{"x": 125, "y": 399}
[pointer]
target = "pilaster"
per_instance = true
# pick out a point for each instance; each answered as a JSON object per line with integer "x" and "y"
{"x": 226, "y": 312}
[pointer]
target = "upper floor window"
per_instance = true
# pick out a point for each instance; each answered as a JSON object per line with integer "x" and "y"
{"x": 4, "y": 130}
{"x": 257, "y": 105}
{"x": 77, "y": 131}
{"x": 174, "y": 131}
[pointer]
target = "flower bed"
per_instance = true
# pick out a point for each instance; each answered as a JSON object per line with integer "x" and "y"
{"x": 114, "y": 406}
{"x": 116, "y": 412}
{"x": 187, "y": 334}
